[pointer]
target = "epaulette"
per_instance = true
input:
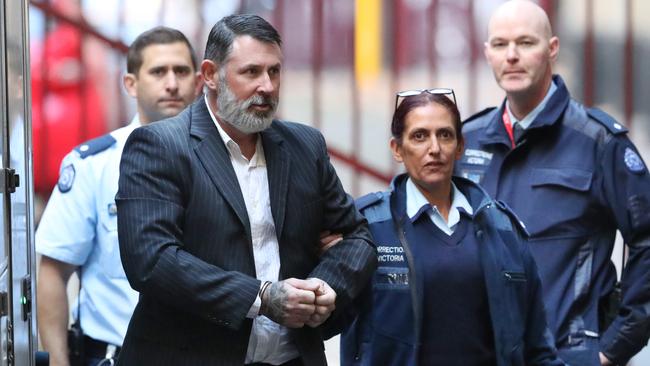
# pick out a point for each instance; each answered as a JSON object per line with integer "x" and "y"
{"x": 479, "y": 114}
{"x": 606, "y": 120}
{"x": 95, "y": 145}
{"x": 375, "y": 206}
{"x": 367, "y": 200}
{"x": 513, "y": 216}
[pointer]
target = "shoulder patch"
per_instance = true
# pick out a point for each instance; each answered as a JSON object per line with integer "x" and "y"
{"x": 367, "y": 200}
{"x": 513, "y": 216}
{"x": 479, "y": 114}
{"x": 95, "y": 145}
{"x": 606, "y": 120}
{"x": 66, "y": 178}
{"x": 633, "y": 161}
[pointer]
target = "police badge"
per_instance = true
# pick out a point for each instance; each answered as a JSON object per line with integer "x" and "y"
{"x": 66, "y": 178}
{"x": 633, "y": 161}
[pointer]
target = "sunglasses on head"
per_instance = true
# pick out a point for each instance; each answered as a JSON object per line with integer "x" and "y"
{"x": 414, "y": 92}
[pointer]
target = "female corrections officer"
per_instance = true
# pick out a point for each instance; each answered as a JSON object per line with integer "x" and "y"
{"x": 456, "y": 284}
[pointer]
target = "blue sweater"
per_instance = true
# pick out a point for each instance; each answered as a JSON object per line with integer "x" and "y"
{"x": 456, "y": 325}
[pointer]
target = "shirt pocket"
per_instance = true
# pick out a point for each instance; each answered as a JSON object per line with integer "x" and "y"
{"x": 108, "y": 241}
{"x": 565, "y": 194}
{"x": 567, "y": 178}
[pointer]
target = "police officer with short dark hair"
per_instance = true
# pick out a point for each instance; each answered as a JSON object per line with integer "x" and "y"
{"x": 574, "y": 178}
{"x": 78, "y": 230}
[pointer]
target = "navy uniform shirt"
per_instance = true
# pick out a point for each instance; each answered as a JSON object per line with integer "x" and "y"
{"x": 79, "y": 227}
{"x": 574, "y": 178}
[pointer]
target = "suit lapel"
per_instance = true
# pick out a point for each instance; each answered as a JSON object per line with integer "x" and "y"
{"x": 214, "y": 157}
{"x": 278, "y": 167}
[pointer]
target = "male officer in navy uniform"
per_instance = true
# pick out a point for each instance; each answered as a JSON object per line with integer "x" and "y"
{"x": 78, "y": 230}
{"x": 574, "y": 178}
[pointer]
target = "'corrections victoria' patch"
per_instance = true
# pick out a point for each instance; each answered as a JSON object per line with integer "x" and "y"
{"x": 66, "y": 178}
{"x": 633, "y": 161}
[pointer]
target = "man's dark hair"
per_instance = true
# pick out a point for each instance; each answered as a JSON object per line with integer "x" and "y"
{"x": 224, "y": 32}
{"x": 157, "y": 35}
{"x": 420, "y": 100}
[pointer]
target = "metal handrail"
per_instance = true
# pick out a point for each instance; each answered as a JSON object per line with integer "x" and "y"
{"x": 89, "y": 30}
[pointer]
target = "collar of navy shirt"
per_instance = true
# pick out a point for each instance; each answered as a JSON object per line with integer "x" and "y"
{"x": 495, "y": 132}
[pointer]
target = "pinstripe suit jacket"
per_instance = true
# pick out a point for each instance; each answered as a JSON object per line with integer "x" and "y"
{"x": 186, "y": 246}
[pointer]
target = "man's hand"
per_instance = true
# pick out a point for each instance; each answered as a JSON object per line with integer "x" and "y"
{"x": 604, "y": 361}
{"x": 290, "y": 302}
{"x": 328, "y": 240}
{"x": 325, "y": 299}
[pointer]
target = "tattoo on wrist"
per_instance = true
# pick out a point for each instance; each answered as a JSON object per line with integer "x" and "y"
{"x": 277, "y": 297}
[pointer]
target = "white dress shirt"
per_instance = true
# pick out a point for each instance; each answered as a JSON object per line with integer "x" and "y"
{"x": 416, "y": 202}
{"x": 269, "y": 342}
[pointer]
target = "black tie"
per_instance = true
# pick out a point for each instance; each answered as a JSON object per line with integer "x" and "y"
{"x": 518, "y": 132}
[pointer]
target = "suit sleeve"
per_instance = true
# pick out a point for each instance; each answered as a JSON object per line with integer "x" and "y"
{"x": 348, "y": 265}
{"x": 624, "y": 187}
{"x": 154, "y": 179}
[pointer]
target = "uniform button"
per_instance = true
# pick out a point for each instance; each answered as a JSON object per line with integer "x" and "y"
{"x": 479, "y": 234}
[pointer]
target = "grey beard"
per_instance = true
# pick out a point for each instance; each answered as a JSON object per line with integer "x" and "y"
{"x": 236, "y": 112}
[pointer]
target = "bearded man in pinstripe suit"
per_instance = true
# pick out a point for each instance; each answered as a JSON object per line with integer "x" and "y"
{"x": 219, "y": 214}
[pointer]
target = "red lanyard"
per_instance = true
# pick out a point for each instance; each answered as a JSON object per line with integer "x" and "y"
{"x": 508, "y": 125}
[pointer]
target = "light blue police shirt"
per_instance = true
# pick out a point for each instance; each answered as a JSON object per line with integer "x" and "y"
{"x": 79, "y": 227}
